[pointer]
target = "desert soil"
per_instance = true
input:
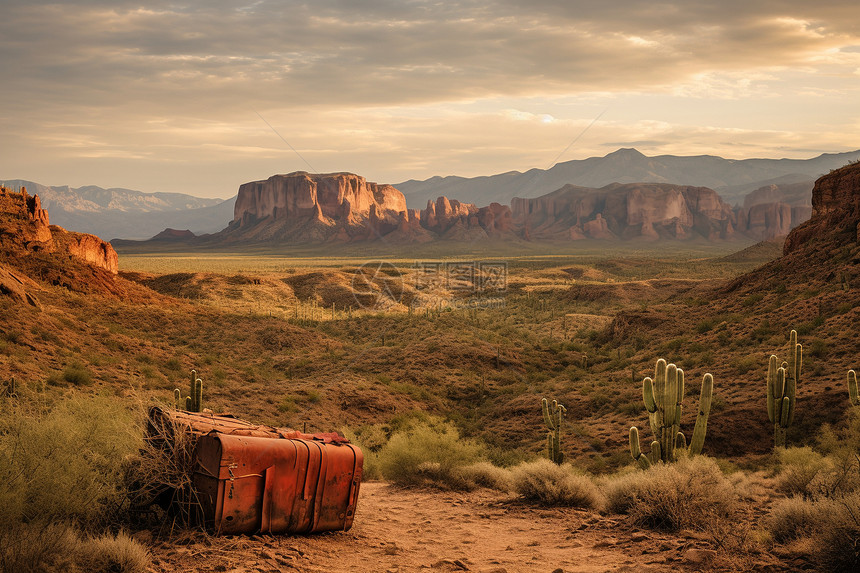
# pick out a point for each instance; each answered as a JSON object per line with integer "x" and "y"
{"x": 400, "y": 530}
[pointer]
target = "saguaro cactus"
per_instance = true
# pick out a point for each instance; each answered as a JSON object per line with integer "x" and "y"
{"x": 782, "y": 389}
{"x": 663, "y": 396}
{"x": 193, "y": 402}
{"x": 853, "y": 395}
{"x": 553, "y": 415}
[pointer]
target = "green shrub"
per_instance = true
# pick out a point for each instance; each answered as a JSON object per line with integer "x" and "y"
{"x": 551, "y": 484}
{"x": 799, "y": 468}
{"x": 65, "y": 464}
{"x": 691, "y": 493}
{"x": 428, "y": 454}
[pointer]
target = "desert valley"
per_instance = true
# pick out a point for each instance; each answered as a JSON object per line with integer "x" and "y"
{"x": 401, "y": 286}
{"x": 429, "y": 338}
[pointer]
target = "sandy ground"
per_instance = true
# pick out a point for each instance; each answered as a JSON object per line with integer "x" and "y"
{"x": 400, "y": 530}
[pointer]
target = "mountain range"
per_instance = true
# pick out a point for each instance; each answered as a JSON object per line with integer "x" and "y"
{"x": 128, "y": 214}
{"x": 733, "y": 179}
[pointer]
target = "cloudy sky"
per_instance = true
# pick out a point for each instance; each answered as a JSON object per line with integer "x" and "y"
{"x": 198, "y": 97}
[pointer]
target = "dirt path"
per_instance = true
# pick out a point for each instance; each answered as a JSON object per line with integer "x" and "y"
{"x": 401, "y": 530}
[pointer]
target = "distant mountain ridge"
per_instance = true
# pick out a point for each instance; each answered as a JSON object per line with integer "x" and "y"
{"x": 732, "y": 178}
{"x": 118, "y": 212}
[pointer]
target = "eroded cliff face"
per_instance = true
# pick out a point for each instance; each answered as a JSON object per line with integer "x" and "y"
{"x": 25, "y": 227}
{"x": 644, "y": 211}
{"x": 316, "y": 207}
{"x": 835, "y": 210}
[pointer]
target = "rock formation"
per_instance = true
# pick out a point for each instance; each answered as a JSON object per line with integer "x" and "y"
{"x": 835, "y": 210}
{"x": 25, "y": 228}
{"x": 343, "y": 207}
{"x": 774, "y": 210}
{"x": 301, "y": 207}
{"x": 644, "y": 211}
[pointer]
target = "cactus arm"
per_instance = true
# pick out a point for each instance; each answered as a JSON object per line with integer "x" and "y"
{"x": 853, "y": 395}
{"x": 546, "y": 415}
{"x": 771, "y": 386}
{"x": 680, "y": 441}
{"x": 790, "y": 394}
{"x": 656, "y": 454}
{"x": 648, "y": 395}
{"x": 701, "y": 427}
{"x": 636, "y": 451}
{"x": 177, "y": 398}
{"x": 188, "y": 403}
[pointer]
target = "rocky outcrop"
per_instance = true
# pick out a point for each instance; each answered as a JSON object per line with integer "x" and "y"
{"x": 835, "y": 210}
{"x": 25, "y": 227}
{"x": 87, "y": 248}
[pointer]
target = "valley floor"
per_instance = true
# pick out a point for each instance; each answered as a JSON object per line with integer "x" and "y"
{"x": 403, "y": 530}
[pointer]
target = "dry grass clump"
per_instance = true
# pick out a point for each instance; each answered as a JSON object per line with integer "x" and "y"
{"x": 551, "y": 484}
{"x": 114, "y": 554}
{"x": 689, "y": 494}
{"x": 40, "y": 547}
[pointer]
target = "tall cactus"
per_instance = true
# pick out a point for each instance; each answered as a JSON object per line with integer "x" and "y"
{"x": 194, "y": 401}
{"x": 553, "y": 416}
{"x": 663, "y": 396}
{"x": 853, "y": 395}
{"x": 782, "y": 389}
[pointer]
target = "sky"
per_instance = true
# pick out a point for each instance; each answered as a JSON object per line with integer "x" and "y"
{"x": 199, "y": 97}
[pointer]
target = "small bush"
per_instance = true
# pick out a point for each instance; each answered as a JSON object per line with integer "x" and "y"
{"x": 792, "y": 518}
{"x": 485, "y": 474}
{"x": 78, "y": 375}
{"x": 551, "y": 484}
{"x": 830, "y": 526}
{"x": 428, "y": 454}
{"x": 691, "y": 493}
{"x": 837, "y": 539}
{"x": 799, "y": 469}
{"x": 66, "y": 464}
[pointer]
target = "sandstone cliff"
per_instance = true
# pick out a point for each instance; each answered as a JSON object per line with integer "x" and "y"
{"x": 644, "y": 211}
{"x": 25, "y": 228}
{"x": 304, "y": 207}
{"x": 835, "y": 211}
{"x": 774, "y": 210}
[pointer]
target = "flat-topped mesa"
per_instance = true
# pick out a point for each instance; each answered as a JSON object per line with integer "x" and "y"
{"x": 297, "y": 195}
{"x": 835, "y": 208}
{"x": 25, "y": 227}
{"x": 283, "y": 206}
